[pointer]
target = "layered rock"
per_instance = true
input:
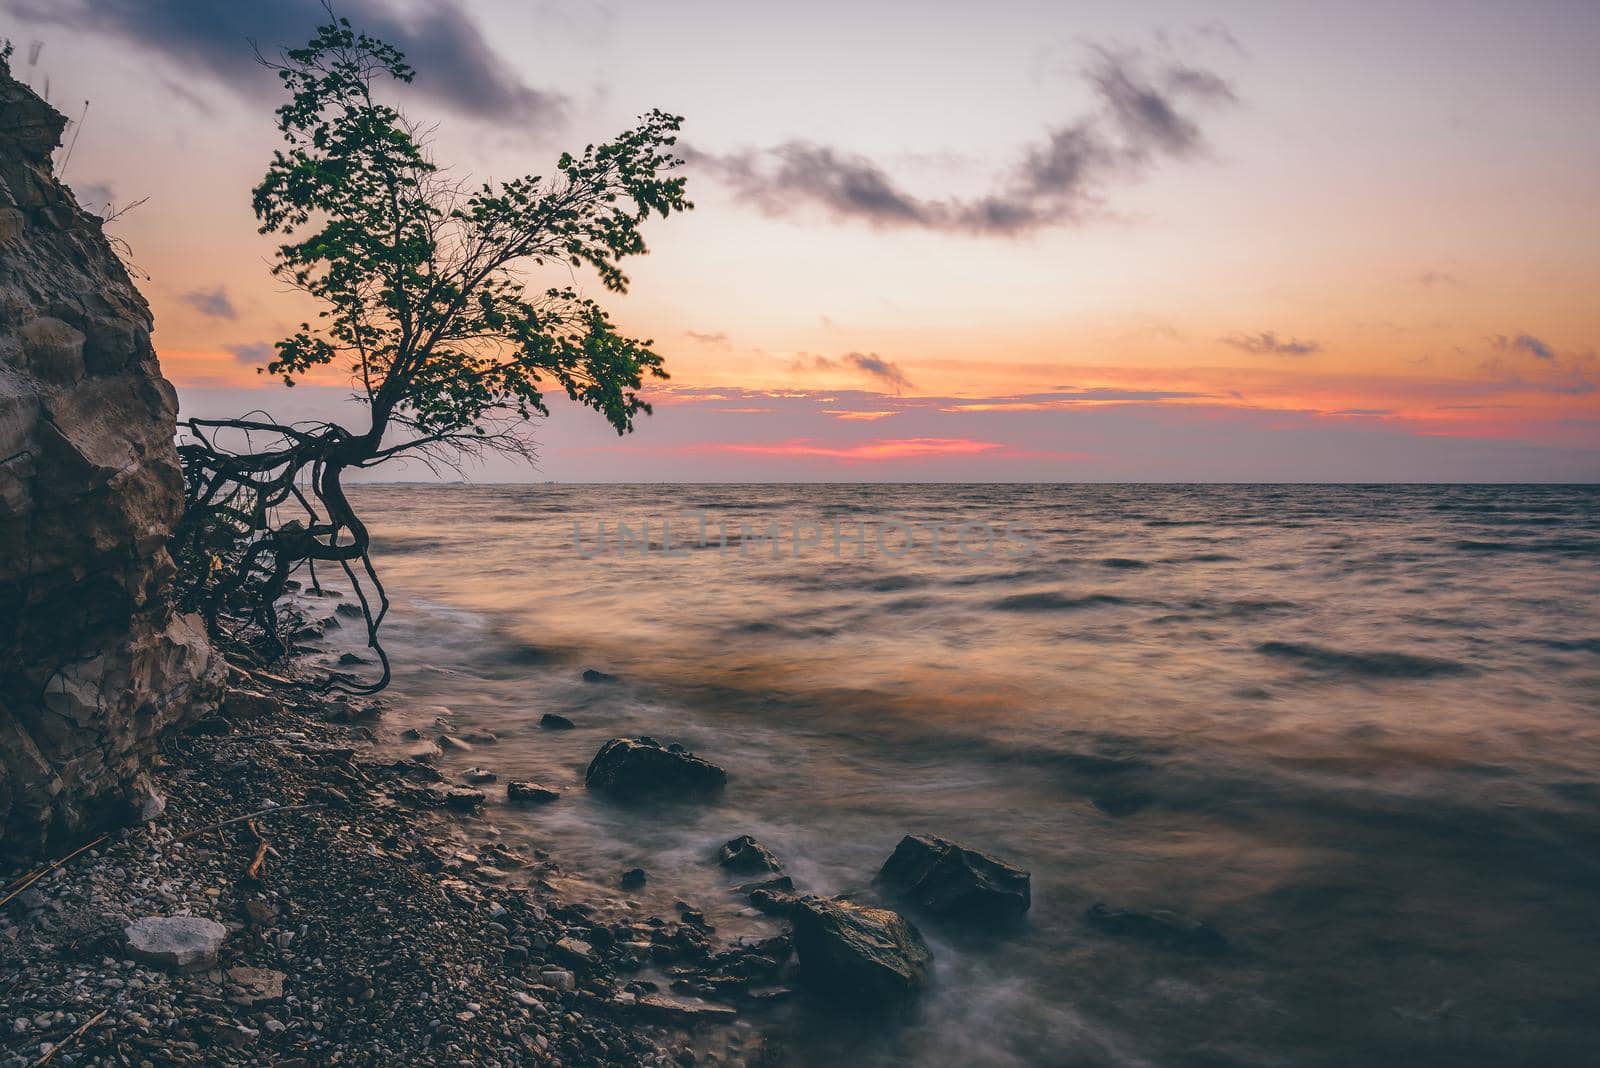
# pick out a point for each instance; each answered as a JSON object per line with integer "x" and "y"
{"x": 94, "y": 663}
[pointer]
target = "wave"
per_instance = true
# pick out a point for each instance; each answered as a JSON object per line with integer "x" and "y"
{"x": 1051, "y": 601}
{"x": 1378, "y": 665}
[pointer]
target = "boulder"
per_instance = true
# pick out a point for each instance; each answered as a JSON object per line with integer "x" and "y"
{"x": 552, "y": 722}
{"x": 591, "y": 675}
{"x": 643, "y": 767}
{"x": 1160, "y": 927}
{"x": 746, "y": 855}
{"x": 949, "y": 879}
{"x": 852, "y": 952}
{"x": 633, "y": 878}
{"x": 528, "y": 793}
{"x": 184, "y": 942}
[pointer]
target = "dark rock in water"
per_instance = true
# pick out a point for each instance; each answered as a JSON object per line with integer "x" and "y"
{"x": 773, "y": 902}
{"x": 1159, "y": 927}
{"x": 591, "y": 675}
{"x": 464, "y": 798}
{"x": 351, "y": 659}
{"x": 552, "y": 722}
{"x": 633, "y": 878}
{"x": 642, "y": 767}
{"x": 450, "y": 741}
{"x": 949, "y": 879}
{"x": 780, "y": 882}
{"x": 745, "y": 854}
{"x": 411, "y": 734}
{"x": 1120, "y": 803}
{"x": 477, "y": 776}
{"x": 853, "y": 952}
{"x": 530, "y": 793}
{"x": 481, "y": 737}
{"x": 348, "y": 610}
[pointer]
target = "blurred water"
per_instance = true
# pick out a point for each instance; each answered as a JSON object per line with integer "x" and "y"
{"x": 1354, "y": 727}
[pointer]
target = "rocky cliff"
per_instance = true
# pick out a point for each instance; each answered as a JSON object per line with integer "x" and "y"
{"x": 94, "y": 664}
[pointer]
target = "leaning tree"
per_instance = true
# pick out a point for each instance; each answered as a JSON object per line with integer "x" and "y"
{"x": 428, "y": 302}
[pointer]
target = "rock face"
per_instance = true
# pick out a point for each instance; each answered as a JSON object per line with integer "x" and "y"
{"x": 851, "y": 952}
{"x": 183, "y": 942}
{"x": 949, "y": 879}
{"x": 643, "y": 767}
{"x": 94, "y": 664}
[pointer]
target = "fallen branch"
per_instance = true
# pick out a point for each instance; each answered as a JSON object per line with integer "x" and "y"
{"x": 70, "y": 1039}
{"x": 29, "y": 880}
{"x": 239, "y": 819}
{"x": 254, "y": 870}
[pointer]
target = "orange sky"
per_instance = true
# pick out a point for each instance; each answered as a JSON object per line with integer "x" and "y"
{"x": 1373, "y": 223}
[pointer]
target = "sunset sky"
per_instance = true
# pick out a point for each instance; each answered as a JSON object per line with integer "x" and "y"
{"x": 1009, "y": 241}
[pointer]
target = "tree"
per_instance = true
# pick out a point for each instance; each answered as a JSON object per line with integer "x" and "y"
{"x": 426, "y": 301}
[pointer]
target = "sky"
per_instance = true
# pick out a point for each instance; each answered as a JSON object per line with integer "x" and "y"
{"x": 1015, "y": 241}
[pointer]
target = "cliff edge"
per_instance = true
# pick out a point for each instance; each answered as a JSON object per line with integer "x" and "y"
{"x": 94, "y": 664}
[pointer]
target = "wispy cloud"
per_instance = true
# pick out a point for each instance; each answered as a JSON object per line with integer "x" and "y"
{"x": 1267, "y": 342}
{"x": 1145, "y": 113}
{"x": 213, "y": 302}
{"x": 1523, "y": 343}
{"x": 870, "y": 364}
{"x": 455, "y": 63}
{"x": 1434, "y": 279}
{"x": 717, "y": 338}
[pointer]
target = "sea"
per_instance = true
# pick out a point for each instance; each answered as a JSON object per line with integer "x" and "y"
{"x": 1356, "y": 729}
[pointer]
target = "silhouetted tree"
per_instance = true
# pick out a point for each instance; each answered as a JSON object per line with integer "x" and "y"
{"x": 427, "y": 305}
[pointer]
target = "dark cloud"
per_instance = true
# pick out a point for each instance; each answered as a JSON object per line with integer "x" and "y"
{"x": 875, "y": 366}
{"x": 1268, "y": 343}
{"x": 455, "y": 64}
{"x": 1144, "y": 115}
{"x": 1523, "y": 343}
{"x": 255, "y": 353}
{"x": 868, "y": 363}
{"x": 212, "y": 302}
{"x": 1363, "y": 411}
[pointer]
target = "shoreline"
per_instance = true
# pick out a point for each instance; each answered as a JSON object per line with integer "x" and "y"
{"x": 372, "y": 929}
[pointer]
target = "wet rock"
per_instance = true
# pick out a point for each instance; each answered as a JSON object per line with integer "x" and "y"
{"x": 254, "y": 986}
{"x": 529, "y": 793}
{"x": 643, "y": 767}
{"x": 591, "y": 675}
{"x": 950, "y": 879}
{"x": 633, "y": 878}
{"x": 745, "y": 854}
{"x": 241, "y": 704}
{"x": 184, "y": 942}
{"x": 1158, "y": 927}
{"x": 477, "y": 776}
{"x": 688, "y": 1010}
{"x": 773, "y": 902}
{"x": 552, "y": 722}
{"x": 352, "y": 659}
{"x": 450, "y": 741}
{"x": 853, "y": 952}
{"x": 464, "y": 799}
